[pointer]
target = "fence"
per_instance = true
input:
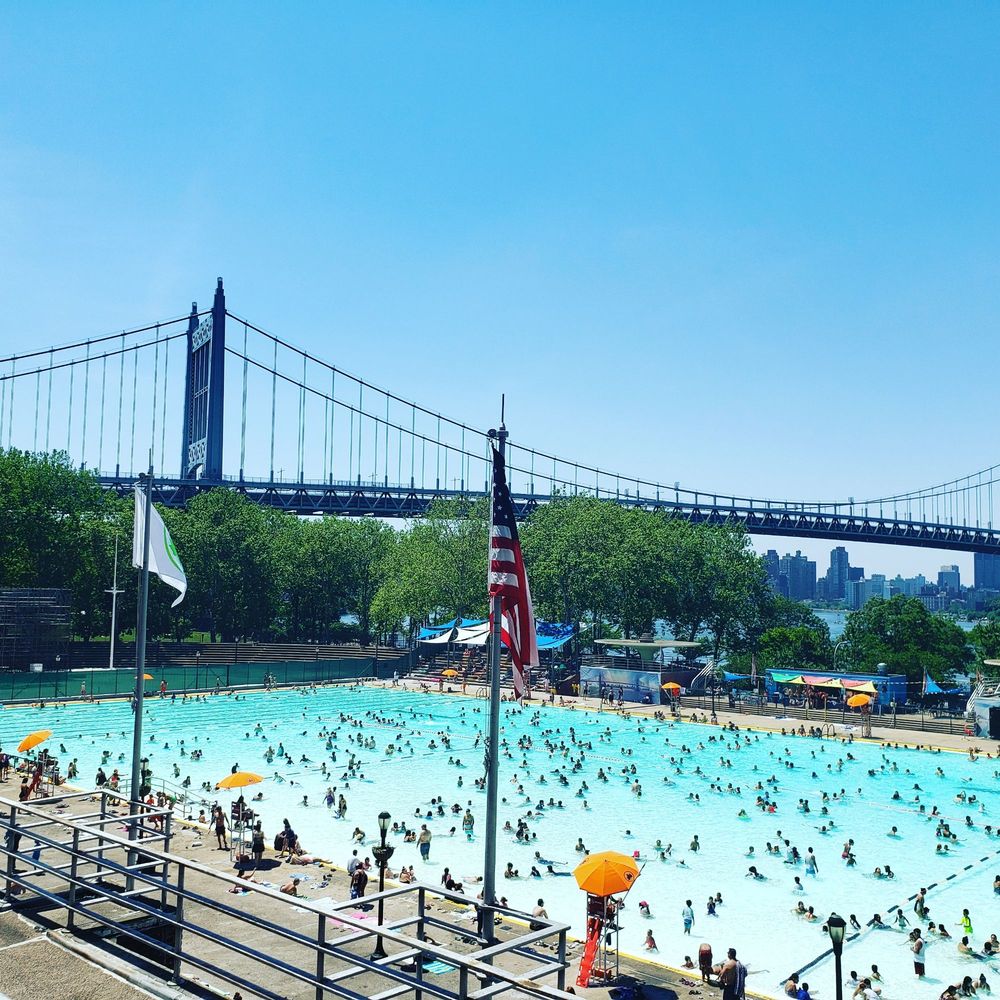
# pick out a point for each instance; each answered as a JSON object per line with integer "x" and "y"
{"x": 926, "y": 722}
{"x": 49, "y": 685}
{"x": 174, "y": 915}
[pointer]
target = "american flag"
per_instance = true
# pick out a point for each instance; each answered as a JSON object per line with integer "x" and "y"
{"x": 509, "y": 582}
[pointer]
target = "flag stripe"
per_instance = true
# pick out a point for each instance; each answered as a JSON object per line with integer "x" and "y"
{"x": 509, "y": 582}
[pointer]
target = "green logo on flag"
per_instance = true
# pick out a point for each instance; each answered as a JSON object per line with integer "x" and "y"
{"x": 168, "y": 544}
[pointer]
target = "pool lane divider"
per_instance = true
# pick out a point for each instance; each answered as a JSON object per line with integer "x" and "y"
{"x": 933, "y": 885}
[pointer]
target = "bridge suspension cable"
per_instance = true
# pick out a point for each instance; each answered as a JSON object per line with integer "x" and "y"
{"x": 379, "y": 422}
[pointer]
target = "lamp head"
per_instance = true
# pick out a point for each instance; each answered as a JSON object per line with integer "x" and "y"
{"x": 383, "y": 821}
{"x": 836, "y": 926}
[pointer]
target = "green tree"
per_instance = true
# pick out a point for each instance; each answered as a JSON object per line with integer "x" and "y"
{"x": 794, "y": 648}
{"x": 369, "y": 550}
{"x": 436, "y": 567}
{"x": 312, "y": 559}
{"x": 44, "y": 505}
{"x": 741, "y": 601}
{"x": 639, "y": 568}
{"x": 904, "y": 635}
{"x": 569, "y": 545}
{"x": 230, "y": 549}
{"x": 985, "y": 638}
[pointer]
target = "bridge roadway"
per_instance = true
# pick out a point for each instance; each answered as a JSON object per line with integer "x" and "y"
{"x": 758, "y": 517}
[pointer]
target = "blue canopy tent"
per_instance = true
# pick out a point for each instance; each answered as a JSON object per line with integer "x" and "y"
{"x": 932, "y": 687}
{"x": 553, "y": 635}
{"x": 433, "y": 631}
{"x": 550, "y": 635}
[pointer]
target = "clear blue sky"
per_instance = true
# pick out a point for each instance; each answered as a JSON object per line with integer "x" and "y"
{"x": 747, "y": 247}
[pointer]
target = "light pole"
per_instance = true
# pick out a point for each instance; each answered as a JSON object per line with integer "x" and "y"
{"x": 114, "y": 592}
{"x": 835, "y": 926}
{"x": 382, "y": 854}
{"x": 843, "y": 642}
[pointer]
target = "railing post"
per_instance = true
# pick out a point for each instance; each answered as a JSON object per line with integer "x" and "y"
{"x": 561, "y": 975}
{"x": 71, "y": 915}
{"x": 165, "y": 847}
{"x": 12, "y": 839}
{"x": 178, "y": 926}
{"x": 421, "y": 910}
{"x": 321, "y": 956}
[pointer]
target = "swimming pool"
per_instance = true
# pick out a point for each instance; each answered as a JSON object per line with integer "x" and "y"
{"x": 755, "y": 916}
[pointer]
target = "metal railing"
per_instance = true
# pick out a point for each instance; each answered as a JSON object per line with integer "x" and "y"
{"x": 166, "y": 907}
{"x": 920, "y": 721}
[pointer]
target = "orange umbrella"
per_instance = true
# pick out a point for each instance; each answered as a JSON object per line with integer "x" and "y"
{"x": 33, "y": 739}
{"x": 606, "y": 873}
{"x": 858, "y": 700}
{"x": 671, "y": 686}
{"x": 239, "y": 779}
{"x": 449, "y": 673}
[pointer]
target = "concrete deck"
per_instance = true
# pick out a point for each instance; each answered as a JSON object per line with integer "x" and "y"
{"x": 35, "y": 967}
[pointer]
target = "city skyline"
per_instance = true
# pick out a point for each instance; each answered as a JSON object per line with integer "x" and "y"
{"x": 887, "y": 560}
{"x": 839, "y": 578}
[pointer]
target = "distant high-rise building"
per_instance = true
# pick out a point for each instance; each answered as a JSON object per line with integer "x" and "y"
{"x": 950, "y": 579}
{"x": 909, "y": 586}
{"x": 987, "y": 571}
{"x": 859, "y": 592}
{"x": 836, "y": 575}
{"x": 855, "y": 573}
{"x": 801, "y": 574}
{"x": 935, "y": 602}
{"x": 773, "y": 567}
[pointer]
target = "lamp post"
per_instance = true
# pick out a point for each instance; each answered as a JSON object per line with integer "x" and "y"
{"x": 843, "y": 642}
{"x": 382, "y": 854}
{"x": 836, "y": 926}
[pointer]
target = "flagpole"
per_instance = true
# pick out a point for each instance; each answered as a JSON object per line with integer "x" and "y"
{"x": 493, "y": 747}
{"x": 114, "y": 592}
{"x": 140, "y": 660}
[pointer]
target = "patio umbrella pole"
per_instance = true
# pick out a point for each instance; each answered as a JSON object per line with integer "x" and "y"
{"x": 140, "y": 668}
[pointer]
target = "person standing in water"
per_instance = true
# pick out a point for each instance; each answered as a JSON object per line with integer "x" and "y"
{"x": 687, "y": 915}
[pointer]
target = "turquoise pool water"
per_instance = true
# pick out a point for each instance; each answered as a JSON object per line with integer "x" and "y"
{"x": 689, "y": 777}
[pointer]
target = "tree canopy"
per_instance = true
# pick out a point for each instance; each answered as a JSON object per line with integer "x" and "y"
{"x": 255, "y": 573}
{"x": 908, "y": 638}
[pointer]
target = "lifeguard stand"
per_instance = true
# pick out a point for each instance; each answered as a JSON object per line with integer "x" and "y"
{"x": 241, "y": 820}
{"x": 600, "y": 960}
{"x": 866, "y": 721}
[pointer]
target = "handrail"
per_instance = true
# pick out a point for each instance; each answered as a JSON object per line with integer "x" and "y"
{"x": 151, "y": 857}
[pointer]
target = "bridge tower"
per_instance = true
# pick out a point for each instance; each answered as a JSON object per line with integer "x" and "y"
{"x": 204, "y": 392}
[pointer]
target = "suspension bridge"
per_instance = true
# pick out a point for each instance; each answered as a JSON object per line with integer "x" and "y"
{"x": 338, "y": 444}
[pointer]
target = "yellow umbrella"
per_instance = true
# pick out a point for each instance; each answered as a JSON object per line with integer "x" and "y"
{"x": 449, "y": 673}
{"x": 147, "y": 677}
{"x": 33, "y": 739}
{"x": 606, "y": 873}
{"x": 671, "y": 686}
{"x": 858, "y": 700}
{"x": 239, "y": 779}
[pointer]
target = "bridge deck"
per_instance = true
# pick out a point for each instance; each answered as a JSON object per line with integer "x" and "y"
{"x": 757, "y": 517}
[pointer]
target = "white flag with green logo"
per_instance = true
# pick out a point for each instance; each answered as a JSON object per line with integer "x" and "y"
{"x": 163, "y": 558}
